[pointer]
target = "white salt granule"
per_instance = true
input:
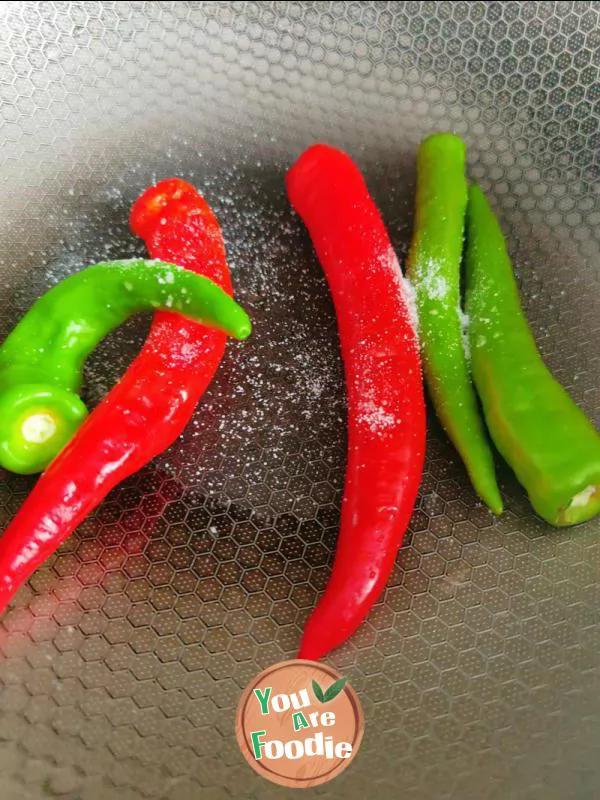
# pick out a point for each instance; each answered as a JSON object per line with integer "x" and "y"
{"x": 464, "y": 326}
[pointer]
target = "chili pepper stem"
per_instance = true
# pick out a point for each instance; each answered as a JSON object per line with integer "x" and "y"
{"x": 36, "y": 422}
{"x": 37, "y": 428}
{"x": 582, "y": 506}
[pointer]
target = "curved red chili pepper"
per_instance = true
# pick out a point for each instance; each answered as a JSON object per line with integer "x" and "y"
{"x": 147, "y": 409}
{"x": 386, "y": 410}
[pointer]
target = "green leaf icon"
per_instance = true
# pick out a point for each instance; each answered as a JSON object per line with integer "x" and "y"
{"x": 318, "y": 692}
{"x": 335, "y": 688}
{"x": 330, "y": 693}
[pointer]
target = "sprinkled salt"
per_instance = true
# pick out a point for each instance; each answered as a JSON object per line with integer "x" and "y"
{"x": 376, "y": 418}
{"x": 411, "y": 301}
{"x": 433, "y": 283}
{"x": 389, "y": 261}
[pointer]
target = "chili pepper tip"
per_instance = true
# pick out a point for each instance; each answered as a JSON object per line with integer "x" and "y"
{"x": 151, "y": 206}
{"x": 243, "y": 328}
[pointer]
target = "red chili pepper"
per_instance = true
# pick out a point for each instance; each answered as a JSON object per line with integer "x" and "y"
{"x": 149, "y": 407}
{"x": 386, "y": 411}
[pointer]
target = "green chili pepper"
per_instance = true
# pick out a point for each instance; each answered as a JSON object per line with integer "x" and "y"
{"x": 434, "y": 262}
{"x": 41, "y": 361}
{"x": 548, "y": 441}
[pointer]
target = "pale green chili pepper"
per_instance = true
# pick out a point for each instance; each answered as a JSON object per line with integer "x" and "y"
{"x": 41, "y": 361}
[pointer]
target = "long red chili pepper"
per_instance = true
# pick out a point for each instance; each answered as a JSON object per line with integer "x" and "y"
{"x": 149, "y": 407}
{"x": 386, "y": 411}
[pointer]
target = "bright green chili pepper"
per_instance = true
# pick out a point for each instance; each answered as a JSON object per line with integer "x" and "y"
{"x": 41, "y": 361}
{"x": 548, "y": 441}
{"x": 434, "y": 262}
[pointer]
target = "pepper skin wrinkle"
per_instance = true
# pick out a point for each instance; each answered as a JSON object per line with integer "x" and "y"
{"x": 544, "y": 436}
{"x": 386, "y": 411}
{"x": 147, "y": 409}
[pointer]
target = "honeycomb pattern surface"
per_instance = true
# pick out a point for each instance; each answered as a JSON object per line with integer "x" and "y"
{"x": 122, "y": 661}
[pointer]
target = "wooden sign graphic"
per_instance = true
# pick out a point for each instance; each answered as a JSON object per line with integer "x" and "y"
{"x": 299, "y": 723}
